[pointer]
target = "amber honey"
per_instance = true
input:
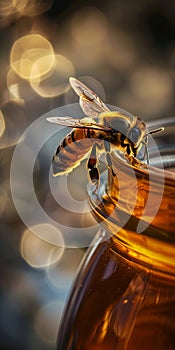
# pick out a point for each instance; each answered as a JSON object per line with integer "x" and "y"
{"x": 124, "y": 295}
{"x": 119, "y": 306}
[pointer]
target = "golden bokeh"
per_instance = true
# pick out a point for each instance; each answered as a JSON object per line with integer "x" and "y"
{"x": 3, "y": 201}
{"x": 33, "y": 7}
{"x": 43, "y": 43}
{"x": 121, "y": 51}
{"x": 7, "y": 7}
{"x": 13, "y": 122}
{"x": 26, "y": 51}
{"x": 6, "y": 204}
{"x": 149, "y": 92}
{"x": 2, "y": 123}
{"x": 24, "y": 7}
{"x": 57, "y": 82}
{"x": 157, "y": 83}
{"x": 37, "y": 252}
{"x": 89, "y": 26}
{"x": 14, "y": 90}
{"x": 19, "y": 89}
{"x": 151, "y": 87}
{"x": 20, "y": 5}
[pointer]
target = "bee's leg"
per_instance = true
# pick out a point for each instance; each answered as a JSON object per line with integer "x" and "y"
{"x": 145, "y": 152}
{"x": 108, "y": 156}
{"x": 92, "y": 165}
{"x": 146, "y": 149}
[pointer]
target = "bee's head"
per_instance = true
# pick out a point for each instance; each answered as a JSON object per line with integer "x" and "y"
{"x": 137, "y": 133}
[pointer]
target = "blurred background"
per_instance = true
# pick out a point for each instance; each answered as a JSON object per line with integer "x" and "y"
{"x": 123, "y": 50}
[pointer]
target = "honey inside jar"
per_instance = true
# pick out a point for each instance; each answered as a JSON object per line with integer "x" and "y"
{"x": 124, "y": 295}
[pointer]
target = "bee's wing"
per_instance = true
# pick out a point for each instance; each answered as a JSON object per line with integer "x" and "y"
{"x": 77, "y": 123}
{"x": 90, "y": 103}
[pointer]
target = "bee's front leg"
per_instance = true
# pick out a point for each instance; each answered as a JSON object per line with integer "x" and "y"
{"x": 92, "y": 165}
{"x": 108, "y": 156}
{"x": 146, "y": 154}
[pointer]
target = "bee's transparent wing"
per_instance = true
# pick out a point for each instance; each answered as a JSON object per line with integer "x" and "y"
{"x": 77, "y": 123}
{"x": 90, "y": 103}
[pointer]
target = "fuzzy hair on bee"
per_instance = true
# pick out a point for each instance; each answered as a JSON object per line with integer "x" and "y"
{"x": 102, "y": 130}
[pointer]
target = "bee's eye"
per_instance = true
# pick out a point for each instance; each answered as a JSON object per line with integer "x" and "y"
{"x": 134, "y": 134}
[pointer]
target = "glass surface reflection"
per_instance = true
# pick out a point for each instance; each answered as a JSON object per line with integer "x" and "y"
{"x": 124, "y": 294}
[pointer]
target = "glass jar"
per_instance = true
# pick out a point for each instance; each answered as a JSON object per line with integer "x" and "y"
{"x": 124, "y": 294}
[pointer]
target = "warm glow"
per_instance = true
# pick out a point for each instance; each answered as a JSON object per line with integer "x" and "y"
{"x": 14, "y": 89}
{"x": 57, "y": 81}
{"x": 2, "y": 123}
{"x": 26, "y": 51}
{"x": 37, "y": 252}
{"x": 3, "y": 200}
{"x": 20, "y": 5}
{"x": 19, "y": 88}
{"x": 89, "y": 26}
{"x": 7, "y": 7}
{"x": 150, "y": 90}
{"x": 150, "y": 82}
{"x": 33, "y": 7}
{"x": 15, "y": 121}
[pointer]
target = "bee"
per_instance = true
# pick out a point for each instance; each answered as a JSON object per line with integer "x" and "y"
{"x": 102, "y": 131}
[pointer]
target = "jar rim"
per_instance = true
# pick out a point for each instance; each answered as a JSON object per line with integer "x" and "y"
{"x": 137, "y": 204}
{"x": 158, "y": 163}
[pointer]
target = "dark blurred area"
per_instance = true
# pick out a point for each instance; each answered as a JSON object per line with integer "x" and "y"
{"x": 123, "y": 50}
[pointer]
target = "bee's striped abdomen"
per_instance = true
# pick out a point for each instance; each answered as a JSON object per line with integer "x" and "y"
{"x": 72, "y": 150}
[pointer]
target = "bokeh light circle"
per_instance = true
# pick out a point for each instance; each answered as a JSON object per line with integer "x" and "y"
{"x": 38, "y": 251}
{"x": 56, "y": 82}
{"x": 26, "y": 51}
{"x": 89, "y": 26}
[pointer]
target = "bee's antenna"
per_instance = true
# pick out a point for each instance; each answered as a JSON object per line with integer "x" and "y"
{"x": 145, "y": 142}
{"x": 155, "y": 131}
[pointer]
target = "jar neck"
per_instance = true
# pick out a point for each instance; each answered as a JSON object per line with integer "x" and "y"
{"x": 145, "y": 193}
{"x": 137, "y": 207}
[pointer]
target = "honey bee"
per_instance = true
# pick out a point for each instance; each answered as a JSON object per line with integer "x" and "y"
{"x": 102, "y": 130}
